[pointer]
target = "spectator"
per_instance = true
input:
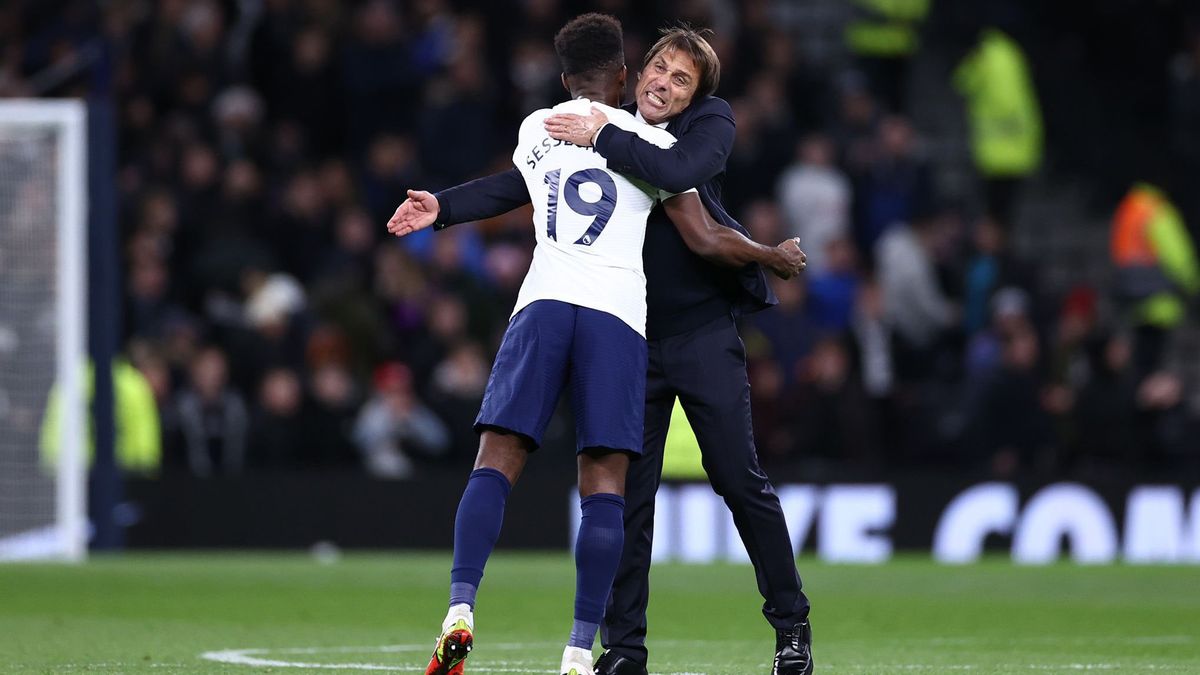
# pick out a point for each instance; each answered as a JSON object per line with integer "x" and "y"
{"x": 1010, "y": 314}
{"x": 815, "y": 197}
{"x": 456, "y": 135}
{"x": 830, "y": 412}
{"x": 1012, "y": 429}
{"x": 915, "y": 305}
{"x": 770, "y": 405}
{"x": 833, "y": 290}
{"x": 301, "y": 231}
{"x": 1104, "y": 414}
{"x": 857, "y": 126}
{"x": 269, "y": 330}
{"x": 392, "y": 167}
{"x": 329, "y": 412}
{"x": 379, "y": 75}
{"x": 148, "y": 302}
{"x": 279, "y": 439}
{"x": 395, "y": 426}
{"x": 786, "y": 332}
{"x": 456, "y": 392}
{"x": 212, "y": 418}
{"x": 991, "y": 267}
{"x": 894, "y": 187}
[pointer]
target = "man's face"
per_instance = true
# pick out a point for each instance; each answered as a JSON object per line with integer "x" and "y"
{"x": 666, "y": 85}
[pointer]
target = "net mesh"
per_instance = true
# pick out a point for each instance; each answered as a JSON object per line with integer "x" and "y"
{"x": 28, "y": 267}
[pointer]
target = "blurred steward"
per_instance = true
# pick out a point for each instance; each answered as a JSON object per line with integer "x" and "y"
{"x": 1156, "y": 270}
{"x": 138, "y": 442}
{"x": 1004, "y": 115}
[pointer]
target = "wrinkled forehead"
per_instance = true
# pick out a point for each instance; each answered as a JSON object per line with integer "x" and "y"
{"x": 676, "y": 60}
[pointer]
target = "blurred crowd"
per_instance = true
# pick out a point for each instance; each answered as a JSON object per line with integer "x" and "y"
{"x": 264, "y": 143}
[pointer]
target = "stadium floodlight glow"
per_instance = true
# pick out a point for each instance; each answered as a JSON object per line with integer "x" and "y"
{"x": 43, "y": 315}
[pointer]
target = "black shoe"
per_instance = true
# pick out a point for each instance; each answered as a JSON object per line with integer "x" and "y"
{"x": 793, "y": 651}
{"x": 611, "y": 663}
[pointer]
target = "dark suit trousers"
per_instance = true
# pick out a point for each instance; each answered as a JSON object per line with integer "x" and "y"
{"x": 706, "y": 369}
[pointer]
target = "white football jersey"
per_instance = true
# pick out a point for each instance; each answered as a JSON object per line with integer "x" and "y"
{"x": 590, "y": 222}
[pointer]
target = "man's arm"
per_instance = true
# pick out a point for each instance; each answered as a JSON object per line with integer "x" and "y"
{"x": 725, "y": 246}
{"x": 482, "y": 198}
{"x": 697, "y": 156}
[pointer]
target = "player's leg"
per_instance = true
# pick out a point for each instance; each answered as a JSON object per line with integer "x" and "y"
{"x": 597, "y": 549}
{"x": 480, "y": 515}
{"x": 477, "y": 525}
{"x": 708, "y": 368}
{"x": 522, "y": 391}
{"x": 608, "y": 393}
{"x": 624, "y": 630}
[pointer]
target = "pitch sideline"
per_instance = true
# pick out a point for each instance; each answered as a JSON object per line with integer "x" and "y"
{"x": 257, "y": 657}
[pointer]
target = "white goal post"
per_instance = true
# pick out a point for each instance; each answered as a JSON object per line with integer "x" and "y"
{"x": 43, "y": 320}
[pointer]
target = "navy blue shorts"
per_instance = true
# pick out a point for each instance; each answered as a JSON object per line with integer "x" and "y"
{"x": 550, "y": 345}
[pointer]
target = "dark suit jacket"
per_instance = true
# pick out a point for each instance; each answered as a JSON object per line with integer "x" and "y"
{"x": 683, "y": 290}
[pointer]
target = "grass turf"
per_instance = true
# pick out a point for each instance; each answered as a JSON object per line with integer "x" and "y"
{"x": 160, "y": 613}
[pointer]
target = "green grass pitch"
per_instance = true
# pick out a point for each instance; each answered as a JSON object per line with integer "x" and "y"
{"x": 275, "y": 613}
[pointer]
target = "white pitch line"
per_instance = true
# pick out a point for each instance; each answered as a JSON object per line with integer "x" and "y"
{"x": 258, "y": 657}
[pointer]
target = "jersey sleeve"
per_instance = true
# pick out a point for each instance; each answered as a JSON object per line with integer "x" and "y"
{"x": 660, "y": 137}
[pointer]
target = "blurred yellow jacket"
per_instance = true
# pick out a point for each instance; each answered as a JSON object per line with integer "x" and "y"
{"x": 138, "y": 443}
{"x": 1002, "y": 107}
{"x": 885, "y": 28}
{"x": 1154, "y": 257}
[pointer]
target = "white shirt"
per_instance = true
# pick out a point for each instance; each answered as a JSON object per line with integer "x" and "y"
{"x": 589, "y": 221}
{"x": 913, "y": 302}
{"x": 816, "y": 203}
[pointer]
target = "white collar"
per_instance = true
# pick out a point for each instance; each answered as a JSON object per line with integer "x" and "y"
{"x": 660, "y": 125}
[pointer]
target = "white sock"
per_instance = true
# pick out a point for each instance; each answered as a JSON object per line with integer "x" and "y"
{"x": 573, "y": 656}
{"x": 456, "y": 612}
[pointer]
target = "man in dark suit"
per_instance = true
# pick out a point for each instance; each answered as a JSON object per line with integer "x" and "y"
{"x": 695, "y": 352}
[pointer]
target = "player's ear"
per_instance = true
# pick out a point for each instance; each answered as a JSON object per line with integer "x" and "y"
{"x": 623, "y": 76}
{"x": 564, "y": 83}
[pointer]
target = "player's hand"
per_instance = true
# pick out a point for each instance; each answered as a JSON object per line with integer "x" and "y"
{"x": 417, "y": 212}
{"x": 576, "y": 129}
{"x": 791, "y": 261}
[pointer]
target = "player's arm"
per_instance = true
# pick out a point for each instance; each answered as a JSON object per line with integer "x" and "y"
{"x": 725, "y": 246}
{"x": 485, "y": 197}
{"x": 697, "y": 156}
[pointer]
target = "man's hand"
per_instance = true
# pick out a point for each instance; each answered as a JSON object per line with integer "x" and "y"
{"x": 576, "y": 129}
{"x": 790, "y": 260}
{"x": 417, "y": 212}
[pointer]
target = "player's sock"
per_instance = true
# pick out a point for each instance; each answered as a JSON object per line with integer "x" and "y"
{"x": 597, "y": 554}
{"x": 476, "y": 528}
{"x": 458, "y": 612}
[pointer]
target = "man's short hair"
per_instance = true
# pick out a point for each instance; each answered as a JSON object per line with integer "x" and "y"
{"x": 694, "y": 43}
{"x": 590, "y": 43}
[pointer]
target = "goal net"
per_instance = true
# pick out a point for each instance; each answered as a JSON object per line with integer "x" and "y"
{"x": 42, "y": 322}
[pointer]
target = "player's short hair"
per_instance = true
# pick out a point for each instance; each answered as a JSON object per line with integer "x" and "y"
{"x": 695, "y": 44}
{"x": 590, "y": 43}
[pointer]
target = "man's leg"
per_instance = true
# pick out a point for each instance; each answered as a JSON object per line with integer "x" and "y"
{"x": 526, "y": 380}
{"x": 608, "y": 395}
{"x": 708, "y": 368}
{"x": 481, "y": 510}
{"x": 598, "y": 544}
{"x": 624, "y": 630}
